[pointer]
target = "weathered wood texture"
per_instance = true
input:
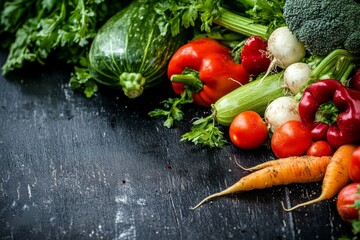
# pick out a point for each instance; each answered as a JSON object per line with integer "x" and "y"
{"x": 101, "y": 168}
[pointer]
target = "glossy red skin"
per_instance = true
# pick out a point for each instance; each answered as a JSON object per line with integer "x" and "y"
{"x": 319, "y": 131}
{"x": 347, "y": 126}
{"x": 354, "y": 168}
{"x": 292, "y": 138}
{"x": 345, "y": 199}
{"x": 248, "y": 130}
{"x": 319, "y": 149}
{"x": 253, "y": 55}
{"x": 217, "y": 70}
{"x": 355, "y": 80}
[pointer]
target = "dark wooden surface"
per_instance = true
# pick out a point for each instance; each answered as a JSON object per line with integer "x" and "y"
{"x": 101, "y": 168}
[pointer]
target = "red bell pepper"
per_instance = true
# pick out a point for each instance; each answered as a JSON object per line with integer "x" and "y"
{"x": 206, "y": 68}
{"x": 332, "y": 111}
{"x": 355, "y": 80}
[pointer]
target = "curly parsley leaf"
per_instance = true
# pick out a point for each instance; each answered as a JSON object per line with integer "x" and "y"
{"x": 185, "y": 13}
{"x": 35, "y": 29}
{"x": 204, "y": 132}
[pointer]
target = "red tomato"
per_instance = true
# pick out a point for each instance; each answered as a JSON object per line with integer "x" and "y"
{"x": 292, "y": 138}
{"x": 354, "y": 168}
{"x": 345, "y": 202}
{"x": 248, "y": 130}
{"x": 319, "y": 149}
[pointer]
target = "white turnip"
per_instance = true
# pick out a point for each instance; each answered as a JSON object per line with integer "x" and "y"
{"x": 284, "y": 49}
{"x": 281, "y": 110}
{"x": 296, "y": 75}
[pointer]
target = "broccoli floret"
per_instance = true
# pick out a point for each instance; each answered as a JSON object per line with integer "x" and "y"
{"x": 325, "y": 25}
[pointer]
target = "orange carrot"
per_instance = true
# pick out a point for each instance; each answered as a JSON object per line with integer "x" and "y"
{"x": 336, "y": 175}
{"x": 271, "y": 163}
{"x": 302, "y": 169}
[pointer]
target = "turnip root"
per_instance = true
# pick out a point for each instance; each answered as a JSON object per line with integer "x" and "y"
{"x": 281, "y": 110}
{"x": 284, "y": 49}
{"x": 296, "y": 75}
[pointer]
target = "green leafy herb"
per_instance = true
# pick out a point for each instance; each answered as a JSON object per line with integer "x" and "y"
{"x": 205, "y": 132}
{"x": 172, "y": 108}
{"x": 36, "y": 29}
{"x": 187, "y": 13}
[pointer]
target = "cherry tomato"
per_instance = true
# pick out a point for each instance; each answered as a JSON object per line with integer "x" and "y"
{"x": 354, "y": 168}
{"x": 248, "y": 130}
{"x": 319, "y": 149}
{"x": 345, "y": 202}
{"x": 292, "y": 138}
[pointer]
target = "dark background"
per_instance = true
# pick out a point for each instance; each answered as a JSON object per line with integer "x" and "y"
{"x": 101, "y": 168}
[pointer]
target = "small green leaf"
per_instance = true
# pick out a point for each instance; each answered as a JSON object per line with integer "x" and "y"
{"x": 205, "y": 133}
{"x": 169, "y": 122}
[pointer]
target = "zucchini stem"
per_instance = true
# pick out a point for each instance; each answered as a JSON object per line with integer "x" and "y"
{"x": 132, "y": 84}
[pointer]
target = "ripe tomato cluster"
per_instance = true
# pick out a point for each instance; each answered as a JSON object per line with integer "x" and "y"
{"x": 249, "y": 131}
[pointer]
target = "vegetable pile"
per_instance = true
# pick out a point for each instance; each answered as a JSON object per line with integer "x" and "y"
{"x": 283, "y": 74}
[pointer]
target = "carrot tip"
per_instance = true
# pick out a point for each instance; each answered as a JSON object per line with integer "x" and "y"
{"x": 207, "y": 199}
{"x": 243, "y": 168}
{"x": 198, "y": 205}
{"x": 316, "y": 200}
{"x": 284, "y": 208}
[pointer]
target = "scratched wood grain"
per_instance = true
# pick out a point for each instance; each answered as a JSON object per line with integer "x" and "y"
{"x": 101, "y": 168}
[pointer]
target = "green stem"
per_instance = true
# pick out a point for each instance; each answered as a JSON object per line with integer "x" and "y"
{"x": 334, "y": 59}
{"x": 191, "y": 81}
{"x": 327, "y": 113}
{"x": 336, "y": 65}
{"x": 239, "y": 24}
{"x": 345, "y": 77}
{"x": 132, "y": 84}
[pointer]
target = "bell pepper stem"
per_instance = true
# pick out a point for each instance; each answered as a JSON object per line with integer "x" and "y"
{"x": 327, "y": 113}
{"x": 191, "y": 81}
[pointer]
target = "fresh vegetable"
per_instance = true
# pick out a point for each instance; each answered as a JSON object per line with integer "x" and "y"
{"x": 205, "y": 131}
{"x": 296, "y": 75}
{"x": 206, "y": 68}
{"x": 284, "y": 49}
{"x": 355, "y": 80}
{"x": 332, "y": 111}
{"x": 304, "y": 169}
{"x": 319, "y": 149}
{"x": 281, "y": 110}
{"x": 241, "y": 99}
{"x": 292, "y": 138}
{"x": 253, "y": 55}
{"x": 338, "y": 65}
{"x": 248, "y": 130}
{"x": 354, "y": 169}
{"x": 257, "y": 18}
{"x": 348, "y": 206}
{"x": 37, "y": 31}
{"x": 201, "y": 72}
{"x": 347, "y": 203}
{"x": 336, "y": 175}
{"x": 131, "y": 53}
{"x": 324, "y": 25}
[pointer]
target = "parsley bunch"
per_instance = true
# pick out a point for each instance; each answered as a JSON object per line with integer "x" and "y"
{"x": 35, "y": 29}
{"x": 186, "y": 13}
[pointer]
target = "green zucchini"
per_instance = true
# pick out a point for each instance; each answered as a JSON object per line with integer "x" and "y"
{"x": 255, "y": 96}
{"x": 130, "y": 52}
